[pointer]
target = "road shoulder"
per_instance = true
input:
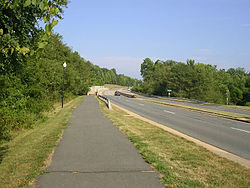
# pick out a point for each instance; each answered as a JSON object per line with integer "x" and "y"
{"x": 218, "y": 151}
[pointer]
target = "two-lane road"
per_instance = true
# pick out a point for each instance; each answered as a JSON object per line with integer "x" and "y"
{"x": 229, "y": 135}
{"x": 204, "y": 106}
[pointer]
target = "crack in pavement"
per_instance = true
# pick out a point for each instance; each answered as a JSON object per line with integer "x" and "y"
{"x": 101, "y": 172}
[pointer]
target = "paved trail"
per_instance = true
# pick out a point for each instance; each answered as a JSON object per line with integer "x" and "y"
{"x": 94, "y": 153}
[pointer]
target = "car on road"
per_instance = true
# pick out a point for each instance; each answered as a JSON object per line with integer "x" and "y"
{"x": 117, "y": 93}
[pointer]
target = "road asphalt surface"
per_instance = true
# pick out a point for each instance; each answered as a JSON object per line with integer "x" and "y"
{"x": 229, "y": 135}
{"x": 94, "y": 153}
{"x": 203, "y": 106}
{"x": 192, "y": 104}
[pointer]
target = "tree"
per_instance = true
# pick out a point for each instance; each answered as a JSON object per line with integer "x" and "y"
{"x": 147, "y": 68}
{"x": 195, "y": 80}
{"x": 20, "y": 32}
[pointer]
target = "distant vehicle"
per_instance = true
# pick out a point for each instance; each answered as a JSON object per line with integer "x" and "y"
{"x": 117, "y": 93}
{"x": 129, "y": 89}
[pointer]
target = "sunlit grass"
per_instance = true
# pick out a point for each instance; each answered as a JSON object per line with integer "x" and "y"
{"x": 24, "y": 158}
{"x": 219, "y": 105}
{"x": 181, "y": 163}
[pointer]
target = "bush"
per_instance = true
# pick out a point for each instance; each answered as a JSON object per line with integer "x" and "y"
{"x": 247, "y": 104}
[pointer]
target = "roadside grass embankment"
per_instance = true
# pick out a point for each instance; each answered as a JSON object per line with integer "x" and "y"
{"x": 25, "y": 157}
{"x": 230, "y": 115}
{"x": 180, "y": 163}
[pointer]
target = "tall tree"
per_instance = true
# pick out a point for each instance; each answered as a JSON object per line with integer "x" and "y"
{"x": 195, "y": 81}
{"x": 147, "y": 68}
{"x": 20, "y": 32}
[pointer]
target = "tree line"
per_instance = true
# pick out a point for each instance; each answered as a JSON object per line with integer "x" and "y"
{"x": 195, "y": 81}
{"x": 106, "y": 76}
{"x": 33, "y": 87}
{"x": 31, "y": 59}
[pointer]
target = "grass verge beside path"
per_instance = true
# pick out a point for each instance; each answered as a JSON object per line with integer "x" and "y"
{"x": 230, "y": 115}
{"x": 181, "y": 163}
{"x": 24, "y": 158}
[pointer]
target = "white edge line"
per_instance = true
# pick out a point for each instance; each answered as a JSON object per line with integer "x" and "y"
{"x": 240, "y": 130}
{"x": 218, "y": 151}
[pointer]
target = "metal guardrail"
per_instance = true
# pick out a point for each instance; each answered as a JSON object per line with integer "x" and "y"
{"x": 106, "y": 100}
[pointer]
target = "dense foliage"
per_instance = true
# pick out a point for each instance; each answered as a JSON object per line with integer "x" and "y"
{"x": 106, "y": 76}
{"x": 20, "y": 75}
{"x": 31, "y": 59}
{"x": 37, "y": 84}
{"x": 20, "y": 31}
{"x": 195, "y": 81}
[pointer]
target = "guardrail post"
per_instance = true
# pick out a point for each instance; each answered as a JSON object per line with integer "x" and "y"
{"x": 109, "y": 105}
{"x": 106, "y": 100}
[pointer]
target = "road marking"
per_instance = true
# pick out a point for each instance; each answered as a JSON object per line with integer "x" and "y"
{"x": 240, "y": 130}
{"x": 169, "y": 112}
{"x": 141, "y": 104}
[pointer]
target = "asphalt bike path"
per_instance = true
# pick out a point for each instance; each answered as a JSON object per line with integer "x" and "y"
{"x": 94, "y": 153}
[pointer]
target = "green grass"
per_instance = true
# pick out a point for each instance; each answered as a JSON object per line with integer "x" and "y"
{"x": 23, "y": 158}
{"x": 212, "y": 112}
{"x": 236, "y": 107}
{"x": 224, "y": 106}
{"x": 179, "y": 162}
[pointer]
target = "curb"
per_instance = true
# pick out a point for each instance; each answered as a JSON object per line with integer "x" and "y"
{"x": 218, "y": 151}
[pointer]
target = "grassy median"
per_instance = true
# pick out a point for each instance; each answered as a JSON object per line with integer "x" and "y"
{"x": 203, "y": 110}
{"x": 180, "y": 163}
{"x": 212, "y": 104}
{"x": 25, "y": 157}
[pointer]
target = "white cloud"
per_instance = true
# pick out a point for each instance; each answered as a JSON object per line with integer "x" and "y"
{"x": 200, "y": 59}
{"x": 246, "y": 52}
{"x": 245, "y": 25}
{"x": 129, "y": 66}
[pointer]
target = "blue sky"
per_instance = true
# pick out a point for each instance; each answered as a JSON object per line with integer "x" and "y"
{"x": 121, "y": 33}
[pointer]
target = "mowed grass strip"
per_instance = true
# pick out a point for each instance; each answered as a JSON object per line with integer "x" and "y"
{"x": 204, "y": 104}
{"x": 236, "y": 107}
{"x": 212, "y": 112}
{"x": 180, "y": 163}
{"x": 211, "y": 104}
{"x": 25, "y": 157}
